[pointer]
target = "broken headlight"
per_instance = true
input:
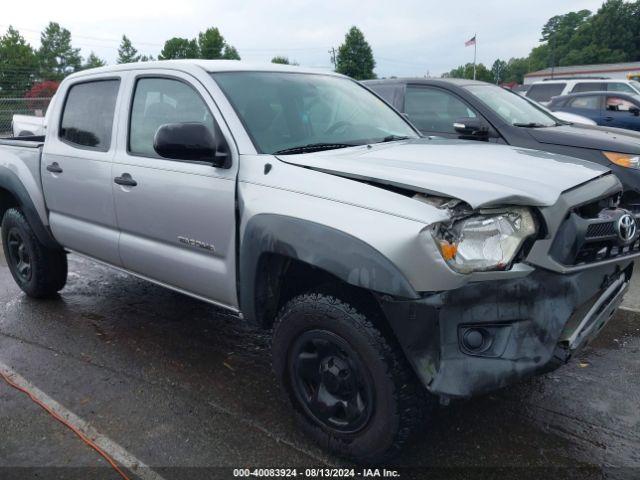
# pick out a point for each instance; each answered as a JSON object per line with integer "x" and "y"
{"x": 488, "y": 240}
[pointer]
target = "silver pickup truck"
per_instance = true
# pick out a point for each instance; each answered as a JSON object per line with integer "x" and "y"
{"x": 392, "y": 269}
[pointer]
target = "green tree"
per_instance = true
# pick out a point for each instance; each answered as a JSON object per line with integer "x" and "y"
{"x": 280, "y": 60}
{"x": 93, "y": 61}
{"x": 230, "y": 53}
{"x": 564, "y": 26}
{"x": 211, "y": 43}
{"x": 56, "y": 55}
{"x": 516, "y": 69}
{"x": 213, "y": 46}
{"x": 466, "y": 71}
{"x": 18, "y": 64}
{"x": 499, "y": 70}
{"x": 146, "y": 58}
{"x": 127, "y": 53}
{"x": 179, "y": 48}
{"x": 355, "y": 57}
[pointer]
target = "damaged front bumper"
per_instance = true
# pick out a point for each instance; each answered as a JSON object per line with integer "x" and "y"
{"x": 489, "y": 334}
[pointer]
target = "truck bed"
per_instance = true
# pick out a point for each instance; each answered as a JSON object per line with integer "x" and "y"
{"x": 35, "y": 141}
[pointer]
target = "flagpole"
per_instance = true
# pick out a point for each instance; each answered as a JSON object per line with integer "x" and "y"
{"x": 475, "y": 54}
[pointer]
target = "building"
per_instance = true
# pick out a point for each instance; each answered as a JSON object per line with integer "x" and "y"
{"x": 608, "y": 70}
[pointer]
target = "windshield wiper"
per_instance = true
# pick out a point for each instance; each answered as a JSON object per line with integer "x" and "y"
{"x": 312, "y": 147}
{"x": 530, "y": 125}
{"x": 393, "y": 138}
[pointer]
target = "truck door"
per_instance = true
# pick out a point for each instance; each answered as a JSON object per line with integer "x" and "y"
{"x": 76, "y": 168}
{"x": 176, "y": 217}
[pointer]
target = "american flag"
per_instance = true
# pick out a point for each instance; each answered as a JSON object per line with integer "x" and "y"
{"x": 468, "y": 43}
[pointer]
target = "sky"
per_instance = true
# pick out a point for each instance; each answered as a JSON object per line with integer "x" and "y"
{"x": 408, "y": 37}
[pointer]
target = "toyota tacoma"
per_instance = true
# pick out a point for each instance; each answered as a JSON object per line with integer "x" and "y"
{"x": 393, "y": 270}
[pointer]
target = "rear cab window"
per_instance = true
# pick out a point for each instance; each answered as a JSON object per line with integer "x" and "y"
{"x": 544, "y": 92}
{"x": 87, "y": 116}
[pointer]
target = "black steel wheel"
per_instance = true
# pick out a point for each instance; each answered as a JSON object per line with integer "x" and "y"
{"x": 19, "y": 256}
{"x": 350, "y": 385}
{"x": 39, "y": 271}
{"x": 330, "y": 381}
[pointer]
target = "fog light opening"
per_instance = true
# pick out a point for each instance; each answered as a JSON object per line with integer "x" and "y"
{"x": 476, "y": 340}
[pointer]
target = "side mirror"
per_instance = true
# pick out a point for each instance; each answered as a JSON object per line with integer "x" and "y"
{"x": 192, "y": 142}
{"x": 635, "y": 111}
{"x": 471, "y": 127}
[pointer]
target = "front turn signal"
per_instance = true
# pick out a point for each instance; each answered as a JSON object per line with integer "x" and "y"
{"x": 623, "y": 159}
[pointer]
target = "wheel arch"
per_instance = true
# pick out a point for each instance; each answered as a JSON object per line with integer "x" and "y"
{"x": 281, "y": 256}
{"x": 13, "y": 194}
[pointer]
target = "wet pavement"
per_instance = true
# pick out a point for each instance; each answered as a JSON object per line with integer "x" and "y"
{"x": 180, "y": 384}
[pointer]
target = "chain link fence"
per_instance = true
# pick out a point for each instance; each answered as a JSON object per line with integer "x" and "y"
{"x": 9, "y": 107}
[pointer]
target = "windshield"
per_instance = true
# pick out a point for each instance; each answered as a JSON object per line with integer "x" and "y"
{"x": 284, "y": 111}
{"x": 635, "y": 84}
{"x": 511, "y": 107}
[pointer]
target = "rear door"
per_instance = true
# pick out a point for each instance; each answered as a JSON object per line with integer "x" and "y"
{"x": 76, "y": 168}
{"x": 620, "y": 113}
{"x": 177, "y": 223}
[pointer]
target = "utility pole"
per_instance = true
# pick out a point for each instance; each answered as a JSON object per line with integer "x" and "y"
{"x": 332, "y": 52}
{"x": 475, "y": 54}
{"x": 553, "y": 54}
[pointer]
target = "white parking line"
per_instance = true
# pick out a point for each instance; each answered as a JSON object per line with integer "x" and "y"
{"x": 115, "y": 451}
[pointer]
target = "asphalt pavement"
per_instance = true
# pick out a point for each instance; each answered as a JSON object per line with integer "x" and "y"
{"x": 187, "y": 390}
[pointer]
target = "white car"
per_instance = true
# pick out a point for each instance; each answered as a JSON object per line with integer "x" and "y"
{"x": 545, "y": 90}
{"x": 28, "y": 125}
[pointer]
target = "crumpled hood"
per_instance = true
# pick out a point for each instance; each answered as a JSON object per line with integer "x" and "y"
{"x": 586, "y": 136}
{"x": 479, "y": 174}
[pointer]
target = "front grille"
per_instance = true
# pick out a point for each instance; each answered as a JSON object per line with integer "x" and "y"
{"x": 598, "y": 251}
{"x": 585, "y": 237}
{"x": 597, "y": 230}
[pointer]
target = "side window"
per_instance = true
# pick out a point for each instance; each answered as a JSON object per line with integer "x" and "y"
{"x": 620, "y": 87}
{"x": 544, "y": 92}
{"x": 588, "y": 102}
{"x": 158, "y": 101}
{"x": 391, "y": 93}
{"x": 433, "y": 109}
{"x": 588, "y": 87}
{"x": 87, "y": 118}
{"x": 616, "y": 104}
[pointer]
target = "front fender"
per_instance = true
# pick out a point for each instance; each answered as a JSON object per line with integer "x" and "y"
{"x": 338, "y": 253}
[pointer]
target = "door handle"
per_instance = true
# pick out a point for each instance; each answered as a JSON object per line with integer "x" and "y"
{"x": 608, "y": 119}
{"x": 54, "y": 168}
{"x": 125, "y": 180}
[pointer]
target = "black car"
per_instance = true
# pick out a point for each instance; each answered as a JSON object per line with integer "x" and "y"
{"x": 609, "y": 109}
{"x": 472, "y": 110}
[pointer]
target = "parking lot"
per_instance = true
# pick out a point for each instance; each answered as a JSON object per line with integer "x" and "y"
{"x": 186, "y": 390}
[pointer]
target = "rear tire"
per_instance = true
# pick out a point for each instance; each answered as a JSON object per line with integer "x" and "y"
{"x": 39, "y": 271}
{"x": 351, "y": 387}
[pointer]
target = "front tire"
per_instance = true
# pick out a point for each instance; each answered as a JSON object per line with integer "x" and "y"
{"x": 350, "y": 386}
{"x": 39, "y": 271}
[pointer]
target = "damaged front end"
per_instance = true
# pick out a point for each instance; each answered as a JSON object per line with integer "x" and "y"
{"x": 487, "y": 335}
{"x": 499, "y": 328}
